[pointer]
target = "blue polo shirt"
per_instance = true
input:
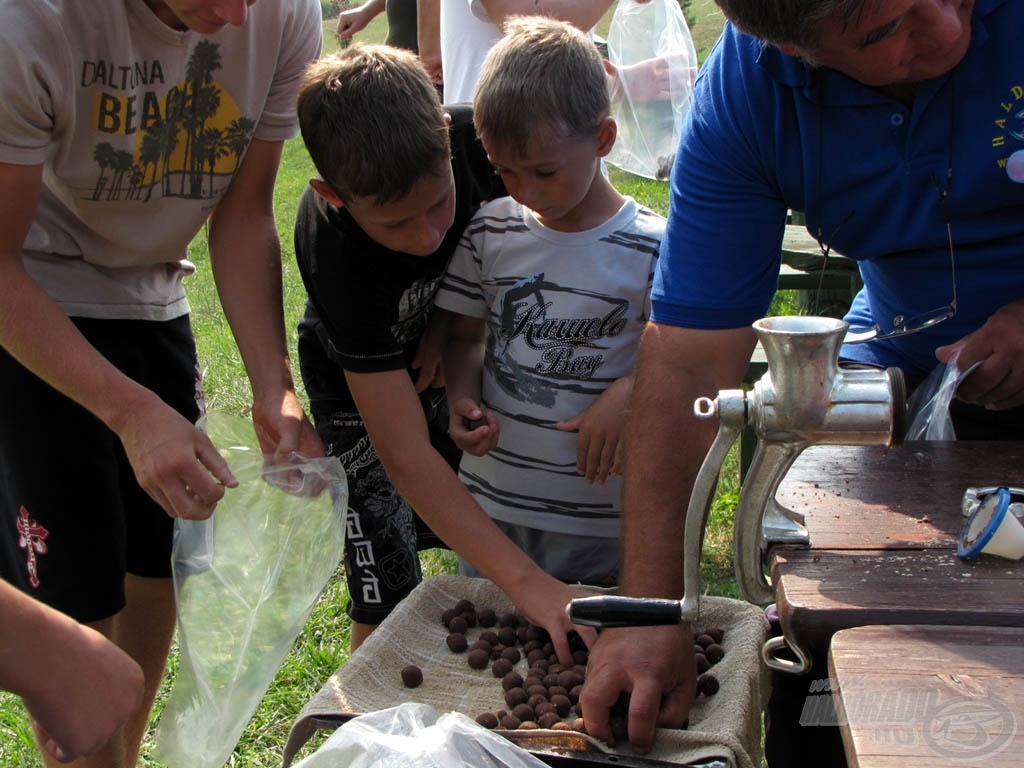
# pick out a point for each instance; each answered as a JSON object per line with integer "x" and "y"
{"x": 765, "y": 133}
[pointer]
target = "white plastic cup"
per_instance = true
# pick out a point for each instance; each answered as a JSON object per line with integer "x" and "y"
{"x": 992, "y": 529}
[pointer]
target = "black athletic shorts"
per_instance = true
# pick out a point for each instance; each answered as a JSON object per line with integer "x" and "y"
{"x": 73, "y": 520}
{"x": 383, "y": 535}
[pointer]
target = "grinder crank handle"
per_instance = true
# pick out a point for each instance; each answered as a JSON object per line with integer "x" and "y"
{"x": 617, "y": 611}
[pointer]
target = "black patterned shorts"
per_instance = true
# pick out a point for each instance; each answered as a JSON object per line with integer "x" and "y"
{"x": 383, "y": 534}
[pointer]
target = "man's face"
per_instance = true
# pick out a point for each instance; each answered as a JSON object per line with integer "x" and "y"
{"x": 203, "y": 16}
{"x": 415, "y": 224}
{"x": 896, "y": 42}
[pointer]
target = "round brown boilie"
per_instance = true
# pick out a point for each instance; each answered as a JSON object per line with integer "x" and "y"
{"x": 469, "y": 617}
{"x": 456, "y": 642}
{"x": 580, "y": 658}
{"x": 487, "y": 720}
{"x": 514, "y": 696}
{"x": 557, "y": 690}
{"x": 703, "y": 665}
{"x": 704, "y": 640}
{"x": 501, "y": 667}
{"x": 464, "y": 606}
{"x": 574, "y": 694}
{"x": 562, "y": 704}
{"x": 511, "y": 655}
{"x": 544, "y": 707}
{"x": 715, "y": 653}
{"x": 561, "y": 725}
{"x": 489, "y": 636}
{"x": 523, "y": 711}
{"x": 458, "y": 624}
{"x": 512, "y": 680}
{"x": 569, "y": 679}
{"x": 528, "y": 725}
{"x": 534, "y": 690}
{"x": 507, "y": 620}
{"x": 537, "y": 700}
{"x": 483, "y": 645}
{"x": 717, "y": 633}
{"x": 496, "y": 651}
{"x": 509, "y": 722}
{"x": 412, "y": 676}
{"x": 548, "y": 719}
{"x": 486, "y": 617}
{"x": 478, "y": 658}
{"x": 578, "y": 725}
{"x": 448, "y": 615}
{"x": 707, "y": 684}
{"x": 507, "y": 636}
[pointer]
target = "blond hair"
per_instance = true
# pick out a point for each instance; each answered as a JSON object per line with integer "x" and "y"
{"x": 543, "y": 75}
{"x": 372, "y": 122}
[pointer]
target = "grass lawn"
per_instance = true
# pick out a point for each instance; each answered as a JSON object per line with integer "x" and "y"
{"x": 322, "y": 646}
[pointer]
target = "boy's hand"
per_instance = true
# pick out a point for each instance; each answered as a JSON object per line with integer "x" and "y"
{"x": 472, "y": 429}
{"x": 599, "y": 446}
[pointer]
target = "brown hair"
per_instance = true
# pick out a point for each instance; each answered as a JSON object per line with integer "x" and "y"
{"x": 542, "y": 75}
{"x": 372, "y": 122}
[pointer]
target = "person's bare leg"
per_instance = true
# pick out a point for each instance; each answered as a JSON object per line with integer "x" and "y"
{"x": 144, "y": 629}
{"x": 358, "y": 634}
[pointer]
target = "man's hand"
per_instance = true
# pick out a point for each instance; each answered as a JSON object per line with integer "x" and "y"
{"x": 174, "y": 462}
{"x": 653, "y": 665}
{"x": 998, "y": 383}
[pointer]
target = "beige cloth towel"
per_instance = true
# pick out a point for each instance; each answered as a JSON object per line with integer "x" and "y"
{"x": 726, "y": 726}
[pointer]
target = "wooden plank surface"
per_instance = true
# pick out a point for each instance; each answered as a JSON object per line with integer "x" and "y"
{"x": 883, "y": 526}
{"x": 930, "y": 696}
{"x": 819, "y": 592}
{"x": 870, "y": 497}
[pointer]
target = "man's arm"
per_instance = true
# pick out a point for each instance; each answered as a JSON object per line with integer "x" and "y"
{"x": 665, "y": 445}
{"x": 583, "y": 14}
{"x": 78, "y": 687}
{"x": 173, "y": 461}
{"x": 428, "y": 35}
{"x": 393, "y": 416}
{"x": 245, "y": 253}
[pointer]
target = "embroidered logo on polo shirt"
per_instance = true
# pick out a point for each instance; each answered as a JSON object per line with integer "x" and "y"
{"x": 31, "y": 538}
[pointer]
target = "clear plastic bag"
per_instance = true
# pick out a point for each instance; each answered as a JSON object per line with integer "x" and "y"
{"x": 412, "y": 735}
{"x": 245, "y": 581}
{"x": 928, "y": 407}
{"x": 651, "y": 49}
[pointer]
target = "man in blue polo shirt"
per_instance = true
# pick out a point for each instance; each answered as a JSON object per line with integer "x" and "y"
{"x": 889, "y": 125}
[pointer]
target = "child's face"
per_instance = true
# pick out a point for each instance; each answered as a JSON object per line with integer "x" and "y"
{"x": 417, "y": 223}
{"x": 552, "y": 178}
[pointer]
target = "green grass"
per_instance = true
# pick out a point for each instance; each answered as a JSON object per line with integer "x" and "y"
{"x": 322, "y": 645}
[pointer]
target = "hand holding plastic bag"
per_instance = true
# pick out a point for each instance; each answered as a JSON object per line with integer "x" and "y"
{"x": 928, "y": 407}
{"x": 413, "y": 736}
{"x": 653, "y": 64}
{"x": 245, "y": 581}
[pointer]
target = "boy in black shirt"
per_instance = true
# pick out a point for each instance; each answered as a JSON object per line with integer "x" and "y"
{"x": 400, "y": 177}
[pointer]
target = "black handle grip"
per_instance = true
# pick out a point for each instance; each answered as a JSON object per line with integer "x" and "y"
{"x": 617, "y": 611}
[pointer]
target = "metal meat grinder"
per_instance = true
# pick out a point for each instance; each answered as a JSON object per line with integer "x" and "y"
{"x": 806, "y": 398}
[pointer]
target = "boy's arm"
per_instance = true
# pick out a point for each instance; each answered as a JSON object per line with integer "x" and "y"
{"x": 600, "y": 426}
{"x": 394, "y": 419}
{"x": 472, "y": 428}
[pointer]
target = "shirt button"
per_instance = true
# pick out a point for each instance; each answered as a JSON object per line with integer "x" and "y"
{"x": 896, "y": 120}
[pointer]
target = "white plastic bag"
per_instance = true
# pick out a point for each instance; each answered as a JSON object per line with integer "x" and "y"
{"x": 650, "y": 46}
{"x": 245, "y": 581}
{"x": 928, "y": 407}
{"x": 412, "y": 735}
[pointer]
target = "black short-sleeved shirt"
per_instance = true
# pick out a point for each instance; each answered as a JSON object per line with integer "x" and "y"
{"x": 367, "y": 305}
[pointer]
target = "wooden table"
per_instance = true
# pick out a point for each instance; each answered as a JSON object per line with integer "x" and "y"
{"x": 883, "y": 526}
{"x": 930, "y": 696}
